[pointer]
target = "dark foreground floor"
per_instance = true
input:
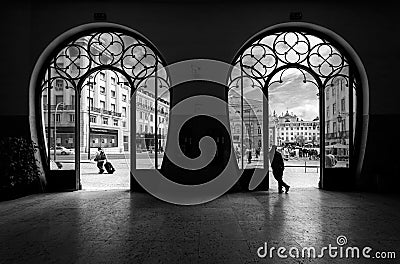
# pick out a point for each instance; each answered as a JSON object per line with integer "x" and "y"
{"x": 124, "y": 227}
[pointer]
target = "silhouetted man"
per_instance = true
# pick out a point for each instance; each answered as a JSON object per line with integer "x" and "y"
{"x": 278, "y": 166}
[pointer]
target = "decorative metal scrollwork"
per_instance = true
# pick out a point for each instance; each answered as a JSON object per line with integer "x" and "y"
{"x": 284, "y": 74}
{"x": 105, "y": 51}
{"x": 272, "y": 54}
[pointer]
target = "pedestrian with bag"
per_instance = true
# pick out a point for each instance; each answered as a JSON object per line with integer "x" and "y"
{"x": 100, "y": 158}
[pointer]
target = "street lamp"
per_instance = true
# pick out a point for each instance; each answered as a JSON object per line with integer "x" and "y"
{"x": 90, "y": 83}
{"x": 55, "y": 129}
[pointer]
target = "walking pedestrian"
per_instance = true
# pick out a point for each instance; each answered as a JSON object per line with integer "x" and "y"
{"x": 278, "y": 167}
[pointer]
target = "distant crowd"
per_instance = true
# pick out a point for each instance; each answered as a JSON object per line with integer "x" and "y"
{"x": 299, "y": 152}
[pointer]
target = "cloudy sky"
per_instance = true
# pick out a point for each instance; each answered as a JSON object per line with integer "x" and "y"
{"x": 291, "y": 95}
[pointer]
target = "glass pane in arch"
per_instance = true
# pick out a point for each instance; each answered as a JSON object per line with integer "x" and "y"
{"x": 337, "y": 122}
{"x": 162, "y": 115}
{"x": 253, "y": 111}
{"x": 58, "y": 100}
{"x": 235, "y": 120}
{"x": 145, "y": 124}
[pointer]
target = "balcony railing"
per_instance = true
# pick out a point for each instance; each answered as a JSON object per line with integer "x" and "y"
{"x": 60, "y": 107}
{"x": 104, "y": 111}
{"x": 147, "y": 107}
{"x": 95, "y": 109}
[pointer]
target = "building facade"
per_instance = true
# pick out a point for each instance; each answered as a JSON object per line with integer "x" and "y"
{"x": 105, "y": 107}
{"x": 283, "y": 129}
{"x": 337, "y": 118}
{"x": 146, "y": 121}
{"x": 290, "y": 129}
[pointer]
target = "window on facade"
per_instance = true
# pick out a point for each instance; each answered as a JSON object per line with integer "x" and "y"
{"x": 92, "y": 119}
{"x": 102, "y": 90}
{"x": 112, "y": 80}
{"x": 58, "y": 118}
{"x": 102, "y": 104}
{"x": 112, "y": 93}
{"x": 72, "y": 99}
{"x": 105, "y": 121}
{"x": 71, "y": 118}
{"x": 334, "y": 127}
{"x": 59, "y": 99}
{"x": 102, "y": 76}
{"x": 343, "y": 106}
{"x": 123, "y": 123}
{"x": 124, "y": 98}
{"x": 44, "y": 100}
{"x": 115, "y": 122}
{"x": 151, "y": 117}
{"x": 124, "y": 111}
{"x": 90, "y": 102}
{"x": 59, "y": 84}
{"x": 113, "y": 107}
{"x": 334, "y": 108}
{"x": 333, "y": 91}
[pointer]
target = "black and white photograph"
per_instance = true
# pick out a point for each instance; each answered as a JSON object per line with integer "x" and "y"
{"x": 199, "y": 131}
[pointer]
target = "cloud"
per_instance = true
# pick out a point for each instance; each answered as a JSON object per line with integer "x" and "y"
{"x": 291, "y": 95}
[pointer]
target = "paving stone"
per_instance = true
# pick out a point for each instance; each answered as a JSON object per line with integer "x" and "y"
{"x": 118, "y": 226}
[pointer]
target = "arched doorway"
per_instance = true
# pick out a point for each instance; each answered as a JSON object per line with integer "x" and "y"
{"x": 82, "y": 86}
{"x": 318, "y": 57}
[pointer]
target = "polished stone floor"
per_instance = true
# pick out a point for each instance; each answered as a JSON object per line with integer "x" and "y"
{"x": 122, "y": 227}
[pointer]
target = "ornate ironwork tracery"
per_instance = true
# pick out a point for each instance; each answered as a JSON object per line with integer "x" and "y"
{"x": 274, "y": 53}
{"x": 115, "y": 51}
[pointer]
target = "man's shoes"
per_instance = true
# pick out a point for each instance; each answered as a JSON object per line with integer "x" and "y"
{"x": 287, "y": 189}
{"x": 101, "y": 171}
{"x": 280, "y": 191}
